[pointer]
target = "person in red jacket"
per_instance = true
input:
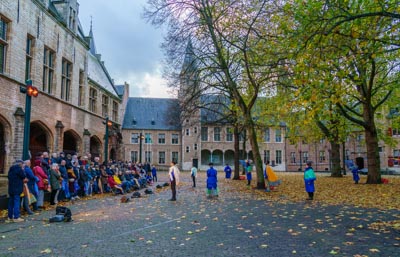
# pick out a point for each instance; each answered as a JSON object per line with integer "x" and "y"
{"x": 42, "y": 184}
{"x": 113, "y": 184}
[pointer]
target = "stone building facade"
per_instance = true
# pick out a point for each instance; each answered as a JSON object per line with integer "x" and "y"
{"x": 43, "y": 41}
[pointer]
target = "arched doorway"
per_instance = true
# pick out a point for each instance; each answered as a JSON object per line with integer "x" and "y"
{"x": 217, "y": 157}
{"x": 71, "y": 142}
{"x": 113, "y": 154}
{"x": 39, "y": 139}
{"x": 2, "y": 148}
{"x": 205, "y": 157}
{"x": 95, "y": 147}
{"x": 229, "y": 157}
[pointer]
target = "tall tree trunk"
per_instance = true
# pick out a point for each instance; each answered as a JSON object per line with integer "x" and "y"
{"x": 371, "y": 139}
{"x": 374, "y": 171}
{"x": 256, "y": 153}
{"x": 236, "y": 174}
{"x": 335, "y": 159}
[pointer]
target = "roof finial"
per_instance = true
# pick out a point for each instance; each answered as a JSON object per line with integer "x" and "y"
{"x": 91, "y": 22}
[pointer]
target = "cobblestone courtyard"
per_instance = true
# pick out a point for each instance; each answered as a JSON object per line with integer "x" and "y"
{"x": 237, "y": 223}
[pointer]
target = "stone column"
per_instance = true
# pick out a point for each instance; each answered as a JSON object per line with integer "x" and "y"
{"x": 59, "y": 137}
{"x": 16, "y": 150}
{"x": 86, "y": 142}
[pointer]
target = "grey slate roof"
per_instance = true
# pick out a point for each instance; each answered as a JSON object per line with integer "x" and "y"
{"x": 152, "y": 114}
{"x": 98, "y": 73}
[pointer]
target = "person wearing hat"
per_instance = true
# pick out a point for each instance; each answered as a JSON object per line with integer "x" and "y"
{"x": 174, "y": 179}
{"x": 16, "y": 180}
{"x": 212, "y": 181}
{"x": 309, "y": 178}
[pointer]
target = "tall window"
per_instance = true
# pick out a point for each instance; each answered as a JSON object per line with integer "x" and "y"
{"x": 72, "y": 18}
{"x": 195, "y": 130}
{"x": 204, "y": 133}
{"x": 48, "y": 70}
{"x": 135, "y": 138}
{"x": 3, "y": 43}
{"x": 217, "y": 134}
{"x": 66, "y": 74}
{"x": 104, "y": 105}
{"x": 175, "y": 139}
{"x": 161, "y": 157}
{"x": 267, "y": 135}
{"x": 92, "y": 100}
{"x": 321, "y": 156}
{"x": 278, "y": 135}
{"x": 187, "y": 149}
{"x": 161, "y": 138}
{"x": 229, "y": 134}
{"x": 278, "y": 157}
{"x": 266, "y": 156}
{"x": 305, "y": 157}
{"x": 147, "y": 138}
{"x": 195, "y": 147}
{"x": 115, "y": 111}
{"x": 81, "y": 95}
{"x": 134, "y": 156}
{"x": 175, "y": 157}
{"x": 147, "y": 156}
{"x": 28, "y": 58}
{"x": 187, "y": 132}
{"x": 292, "y": 157}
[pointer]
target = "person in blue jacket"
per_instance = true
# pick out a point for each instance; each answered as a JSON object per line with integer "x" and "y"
{"x": 309, "y": 178}
{"x": 212, "y": 181}
{"x": 228, "y": 171}
{"x": 356, "y": 177}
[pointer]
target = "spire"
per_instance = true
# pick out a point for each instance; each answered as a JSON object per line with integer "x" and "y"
{"x": 91, "y": 38}
{"x": 189, "y": 63}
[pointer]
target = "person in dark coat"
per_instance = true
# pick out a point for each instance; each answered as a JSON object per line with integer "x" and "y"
{"x": 16, "y": 180}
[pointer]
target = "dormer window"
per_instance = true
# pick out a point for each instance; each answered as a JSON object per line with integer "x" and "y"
{"x": 134, "y": 122}
{"x": 153, "y": 122}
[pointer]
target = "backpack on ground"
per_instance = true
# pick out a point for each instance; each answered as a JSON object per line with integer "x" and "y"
{"x": 135, "y": 195}
{"x": 66, "y": 212}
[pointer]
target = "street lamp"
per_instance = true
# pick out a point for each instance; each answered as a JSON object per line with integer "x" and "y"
{"x": 108, "y": 124}
{"x": 29, "y": 91}
{"x": 141, "y": 137}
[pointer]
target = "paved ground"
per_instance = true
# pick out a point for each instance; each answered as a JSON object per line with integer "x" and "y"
{"x": 235, "y": 224}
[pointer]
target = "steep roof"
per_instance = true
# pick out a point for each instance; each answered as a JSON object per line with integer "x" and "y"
{"x": 152, "y": 114}
{"x": 97, "y": 73}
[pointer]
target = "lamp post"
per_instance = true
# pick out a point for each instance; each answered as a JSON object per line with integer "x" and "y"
{"x": 29, "y": 91}
{"x": 108, "y": 123}
{"x": 141, "y": 137}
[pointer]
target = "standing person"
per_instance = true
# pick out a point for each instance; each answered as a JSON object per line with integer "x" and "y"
{"x": 16, "y": 180}
{"x": 42, "y": 183}
{"x": 64, "y": 183}
{"x": 212, "y": 180}
{"x": 193, "y": 174}
{"x": 309, "y": 178}
{"x": 32, "y": 180}
{"x": 248, "y": 173}
{"x": 356, "y": 177}
{"x": 55, "y": 179}
{"x": 174, "y": 179}
{"x": 154, "y": 173}
{"x": 228, "y": 171}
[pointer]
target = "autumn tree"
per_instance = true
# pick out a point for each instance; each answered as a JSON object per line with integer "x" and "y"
{"x": 236, "y": 43}
{"x": 358, "y": 57}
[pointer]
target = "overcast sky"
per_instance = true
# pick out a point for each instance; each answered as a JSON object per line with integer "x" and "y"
{"x": 128, "y": 45}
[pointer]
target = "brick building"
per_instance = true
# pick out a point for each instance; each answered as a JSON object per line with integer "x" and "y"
{"x": 43, "y": 41}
